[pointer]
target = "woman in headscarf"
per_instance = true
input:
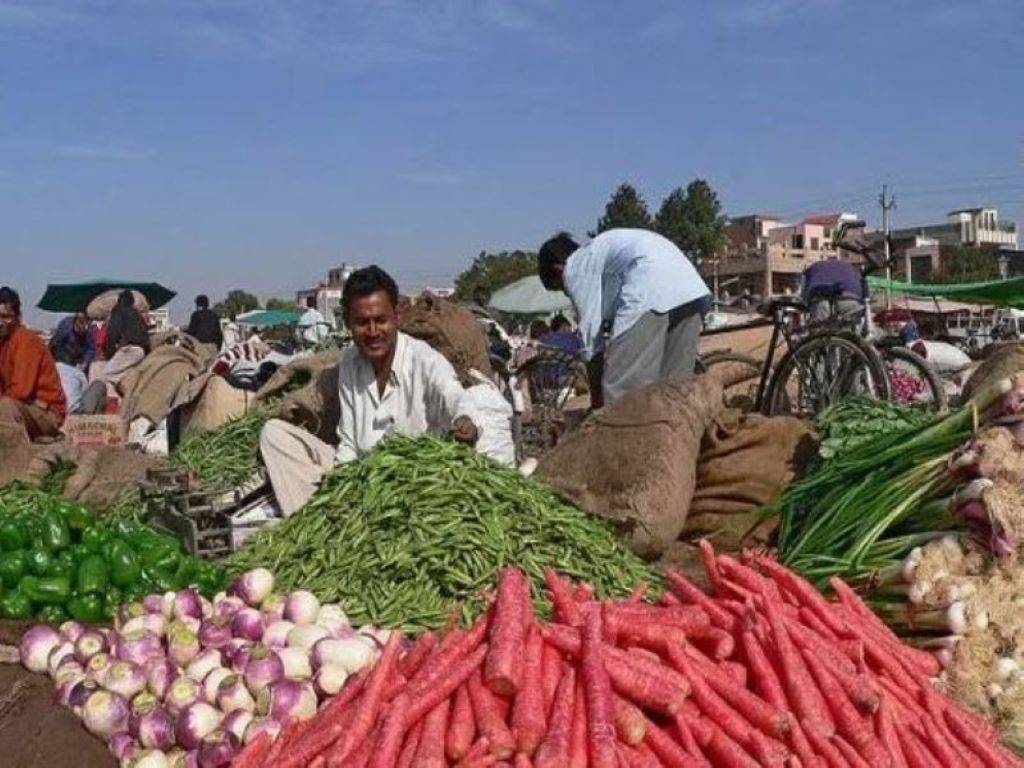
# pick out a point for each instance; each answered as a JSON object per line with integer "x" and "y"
{"x": 127, "y": 340}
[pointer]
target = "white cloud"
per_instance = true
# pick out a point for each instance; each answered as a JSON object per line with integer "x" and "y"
{"x": 105, "y": 154}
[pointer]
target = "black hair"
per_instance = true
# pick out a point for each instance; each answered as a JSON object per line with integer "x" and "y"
{"x": 126, "y": 298}
{"x": 62, "y": 354}
{"x": 311, "y": 302}
{"x": 10, "y": 297}
{"x": 555, "y": 252}
{"x": 538, "y": 328}
{"x": 560, "y": 321}
{"x": 365, "y": 282}
{"x": 202, "y": 301}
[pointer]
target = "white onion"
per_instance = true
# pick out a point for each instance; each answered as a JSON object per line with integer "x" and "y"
{"x": 305, "y": 636}
{"x": 296, "y": 663}
{"x": 301, "y": 607}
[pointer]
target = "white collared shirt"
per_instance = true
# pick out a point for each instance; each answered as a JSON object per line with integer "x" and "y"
{"x": 423, "y": 394}
{"x": 623, "y": 273}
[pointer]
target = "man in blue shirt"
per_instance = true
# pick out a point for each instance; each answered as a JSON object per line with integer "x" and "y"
{"x": 640, "y": 303}
{"x": 73, "y": 334}
{"x": 828, "y": 279}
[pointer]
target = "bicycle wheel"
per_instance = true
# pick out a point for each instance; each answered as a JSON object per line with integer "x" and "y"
{"x": 820, "y": 370}
{"x": 744, "y": 371}
{"x": 552, "y": 377}
{"x": 911, "y": 380}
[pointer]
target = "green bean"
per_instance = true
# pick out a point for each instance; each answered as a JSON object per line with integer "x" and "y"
{"x": 419, "y": 527}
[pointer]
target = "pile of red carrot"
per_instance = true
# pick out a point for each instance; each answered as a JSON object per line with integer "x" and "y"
{"x": 761, "y": 671}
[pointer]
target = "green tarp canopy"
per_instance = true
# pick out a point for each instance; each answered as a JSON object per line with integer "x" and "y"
{"x": 528, "y": 296}
{"x": 266, "y": 318}
{"x": 75, "y": 297}
{"x": 998, "y": 293}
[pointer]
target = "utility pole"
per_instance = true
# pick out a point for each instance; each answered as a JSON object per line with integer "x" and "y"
{"x": 887, "y": 202}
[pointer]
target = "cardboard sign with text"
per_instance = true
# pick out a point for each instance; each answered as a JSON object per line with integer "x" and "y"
{"x": 98, "y": 430}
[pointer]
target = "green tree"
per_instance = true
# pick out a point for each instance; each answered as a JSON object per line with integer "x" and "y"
{"x": 966, "y": 264}
{"x": 491, "y": 271}
{"x": 286, "y": 304}
{"x": 693, "y": 220}
{"x": 235, "y": 303}
{"x": 625, "y": 208}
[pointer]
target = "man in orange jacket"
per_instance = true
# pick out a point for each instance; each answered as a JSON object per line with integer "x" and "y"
{"x": 30, "y": 390}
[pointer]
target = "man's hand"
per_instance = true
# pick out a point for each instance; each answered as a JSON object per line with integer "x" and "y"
{"x": 465, "y": 431}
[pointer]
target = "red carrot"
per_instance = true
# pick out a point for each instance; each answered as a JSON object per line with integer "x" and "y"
{"x": 850, "y": 755}
{"x": 420, "y": 652}
{"x": 488, "y": 719}
{"x": 805, "y": 593}
{"x": 551, "y": 673}
{"x": 726, "y": 753}
{"x": 449, "y": 655}
{"x": 629, "y": 722}
{"x": 253, "y": 753}
{"x": 562, "y": 637}
{"x": 696, "y": 725}
{"x": 599, "y": 706}
{"x": 566, "y": 610}
{"x": 717, "y": 642}
{"x": 747, "y": 577}
{"x": 369, "y": 705}
{"x": 329, "y": 725}
{"x": 529, "y": 719}
{"x": 425, "y": 701}
{"x": 668, "y": 599}
{"x": 430, "y": 749}
{"x": 666, "y": 748}
{"x": 638, "y": 594}
{"x": 578, "y": 747}
{"x": 707, "y": 557}
{"x": 719, "y": 713}
{"x": 824, "y": 747}
{"x": 808, "y": 618}
{"x": 553, "y": 751}
{"x": 635, "y": 684}
{"x": 802, "y": 748}
{"x": 769, "y": 754}
{"x": 916, "y": 753}
{"x": 411, "y": 746}
{"x": 766, "y": 681}
{"x": 987, "y": 751}
{"x": 886, "y": 731}
{"x": 385, "y": 754}
{"x": 688, "y": 592}
{"x": 508, "y": 633}
{"x": 807, "y": 638}
{"x": 522, "y": 761}
{"x": 461, "y": 727}
{"x": 802, "y": 693}
{"x": 360, "y": 755}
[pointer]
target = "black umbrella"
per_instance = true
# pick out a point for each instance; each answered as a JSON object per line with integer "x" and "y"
{"x": 75, "y": 297}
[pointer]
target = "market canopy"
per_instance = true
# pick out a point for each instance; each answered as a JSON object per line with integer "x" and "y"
{"x": 528, "y": 296}
{"x": 266, "y": 318}
{"x": 75, "y": 297}
{"x": 999, "y": 293}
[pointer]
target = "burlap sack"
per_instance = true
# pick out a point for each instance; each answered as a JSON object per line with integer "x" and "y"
{"x": 635, "y": 462}
{"x": 745, "y": 461}
{"x": 217, "y": 404}
{"x": 15, "y": 452}
{"x": 310, "y": 389}
{"x": 152, "y": 388}
{"x": 1003, "y": 360}
{"x": 453, "y": 331}
{"x": 103, "y": 474}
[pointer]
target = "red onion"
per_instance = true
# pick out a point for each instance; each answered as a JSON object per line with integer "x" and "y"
{"x": 151, "y": 725}
{"x": 264, "y": 668}
{"x": 253, "y": 586}
{"x": 187, "y": 603}
{"x": 105, "y": 714}
{"x": 63, "y": 651}
{"x": 218, "y": 749}
{"x": 295, "y": 662}
{"x": 202, "y": 664}
{"x": 183, "y": 692}
{"x": 65, "y": 685}
{"x": 151, "y": 622}
{"x": 248, "y": 624}
{"x": 195, "y": 722}
{"x": 139, "y": 647}
{"x": 227, "y": 606}
{"x": 301, "y": 607}
{"x": 88, "y": 644}
{"x": 287, "y": 700}
{"x": 154, "y": 604}
{"x": 71, "y": 630}
{"x": 236, "y": 721}
{"x": 232, "y": 695}
{"x": 160, "y": 673}
{"x": 273, "y": 608}
{"x": 182, "y": 643}
{"x": 36, "y": 646}
{"x": 215, "y": 633}
{"x": 126, "y": 613}
{"x": 97, "y": 666}
{"x": 122, "y": 745}
{"x": 276, "y": 635}
{"x": 262, "y": 725}
{"x": 205, "y": 608}
{"x": 212, "y": 681}
{"x": 79, "y": 693}
{"x": 236, "y": 653}
{"x": 125, "y": 679}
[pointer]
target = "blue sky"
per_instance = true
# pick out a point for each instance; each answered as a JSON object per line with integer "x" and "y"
{"x": 255, "y": 143}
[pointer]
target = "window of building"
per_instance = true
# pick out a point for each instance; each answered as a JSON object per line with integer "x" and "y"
{"x": 814, "y": 243}
{"x": 828, "y": 233}
{"x": 798, "y": 241}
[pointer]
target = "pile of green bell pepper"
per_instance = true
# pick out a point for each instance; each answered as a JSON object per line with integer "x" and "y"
{"x": 58, "y": 561}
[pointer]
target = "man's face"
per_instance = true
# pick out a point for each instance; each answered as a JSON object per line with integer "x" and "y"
{"x": 8, "y": 320}
{"x": 374, "y": 325}
{"x": 81, "y": 324}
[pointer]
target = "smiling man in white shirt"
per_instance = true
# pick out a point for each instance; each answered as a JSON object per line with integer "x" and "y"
{"x": 640, "y": 303}
{"x": 388, "y": 382}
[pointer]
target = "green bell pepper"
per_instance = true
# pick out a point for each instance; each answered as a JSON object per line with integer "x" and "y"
{"x": 134, "y": 592}
{"x": 13, "y": 566}
{"x": 13, "y": 535}
{"x": 62, "y": 564}
{"x": 52, "y": 590}
{"x": 210, "y": 578}
{"x": 55, "y": 615}
{"x": 161, "y": 559}
{"x": 15, "y": 605}
{"x": 94, "y": 539}
{"x": 77, "y": 517}
{"x": 56, "y": 534}
{"x": 39, "y": 560}
{"x": 86, "y": 608}
{"x": 125, "y": 570}
{"x": 114, "y": 595}
{"x": 93, "y": 575}
{"x": 162, "y": 581}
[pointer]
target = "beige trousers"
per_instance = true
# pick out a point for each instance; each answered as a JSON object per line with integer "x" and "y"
{"x": 295, "y": 460}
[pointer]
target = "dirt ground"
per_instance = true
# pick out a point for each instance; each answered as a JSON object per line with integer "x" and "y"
{"x": 749, "y": 341}
{"x": 35, "y": 732}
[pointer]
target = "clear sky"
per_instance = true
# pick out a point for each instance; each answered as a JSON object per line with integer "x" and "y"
{"x": 255, "y": 143}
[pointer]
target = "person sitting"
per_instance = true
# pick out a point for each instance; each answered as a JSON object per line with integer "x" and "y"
{"x": 832, "y": 280}
{"x": 388, "y": 382}
{"x": 313, "y": 328}
{"x": 561, "y": 336}
{"x": 643, "y": 292}
{"x": 74, "y": 334}
{"x": 204, "y": 324}
{"x": 126, "y": 342}
{"x": 81, "y": 396}
{"x": 30, "y": 391}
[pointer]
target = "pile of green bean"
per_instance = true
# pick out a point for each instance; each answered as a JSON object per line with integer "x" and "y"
{"x": 421, "y": 527}
{"x": 225, "y": 457}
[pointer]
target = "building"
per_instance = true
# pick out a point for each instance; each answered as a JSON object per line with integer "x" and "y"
{"x": 327, "y": 294}
{"x": 977, "y": 227}
{"x": 766, "y": 256}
